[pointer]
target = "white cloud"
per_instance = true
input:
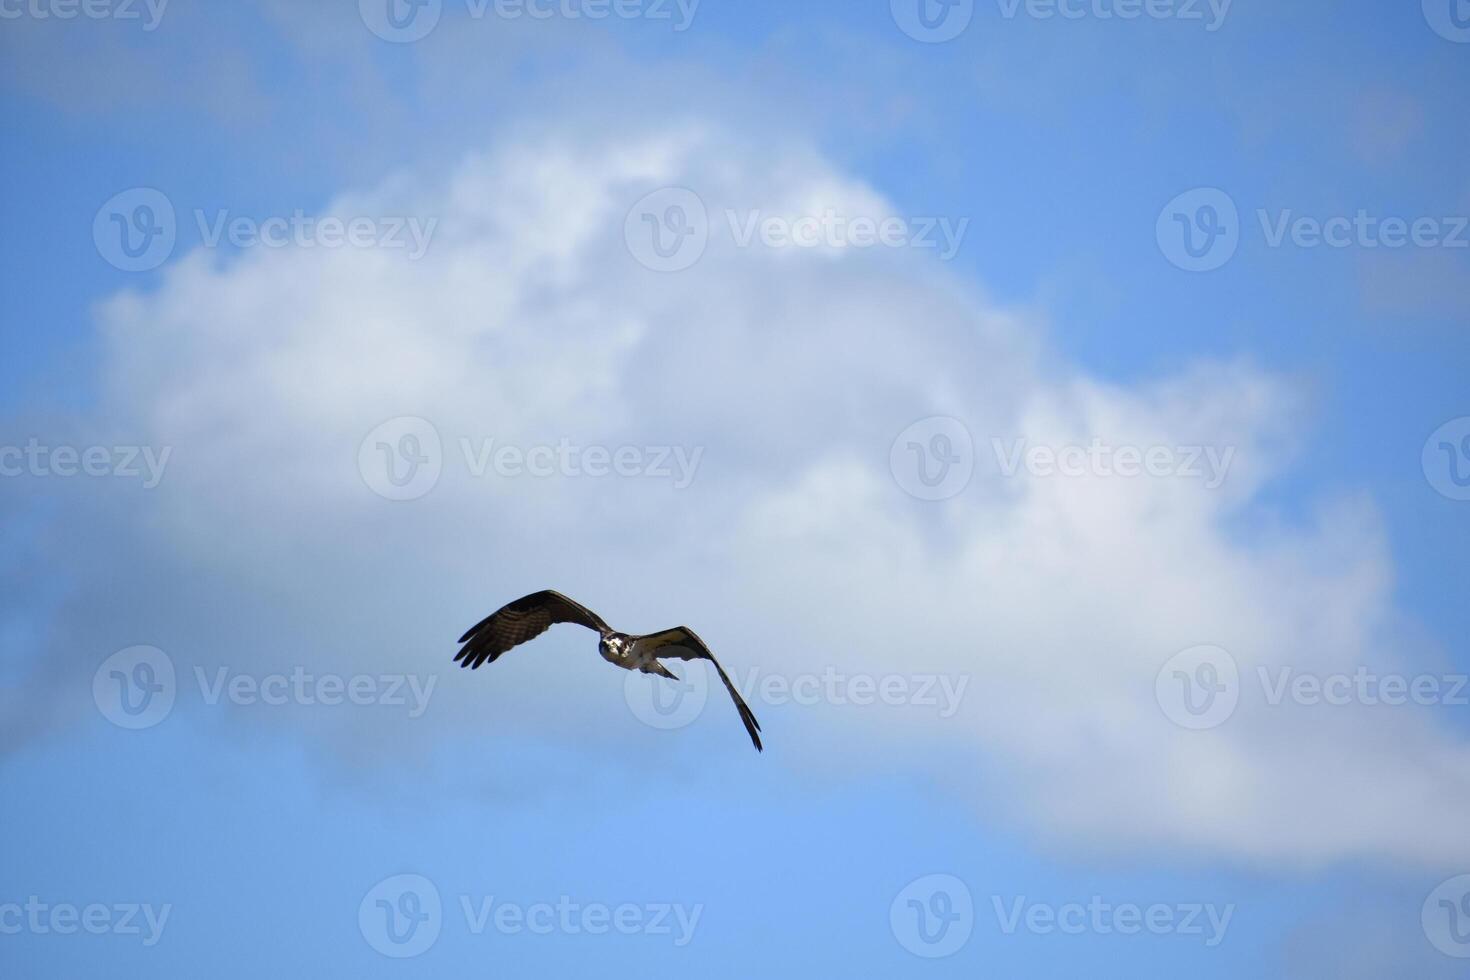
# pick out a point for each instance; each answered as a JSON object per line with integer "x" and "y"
{"x": 529, "y": 322}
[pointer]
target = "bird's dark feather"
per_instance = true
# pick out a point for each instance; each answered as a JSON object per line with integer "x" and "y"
{"x": 522, "y": 620}
{"x": 682, "y": 643}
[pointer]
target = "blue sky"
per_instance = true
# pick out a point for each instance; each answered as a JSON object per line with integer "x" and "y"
{"x": 1032, "y": 763}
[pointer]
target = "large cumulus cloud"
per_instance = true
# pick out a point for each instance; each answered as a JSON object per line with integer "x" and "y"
{"x": 794, "y": 550}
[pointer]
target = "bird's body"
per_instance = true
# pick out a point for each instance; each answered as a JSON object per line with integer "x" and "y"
{"x": 532, "y": 615}
{"x": 622, "y": 650}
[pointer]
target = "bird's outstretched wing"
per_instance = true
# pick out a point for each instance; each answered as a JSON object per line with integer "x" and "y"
{"x": 523, "y": 620}
{"x": 682, "y": 643}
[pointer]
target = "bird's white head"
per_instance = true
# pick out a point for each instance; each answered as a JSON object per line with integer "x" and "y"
{"x": 614, "y": 647}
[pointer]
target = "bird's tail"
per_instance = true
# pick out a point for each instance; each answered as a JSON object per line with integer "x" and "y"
{"x": 654, "y": 667}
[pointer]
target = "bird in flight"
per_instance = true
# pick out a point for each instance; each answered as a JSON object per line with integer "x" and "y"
{"x": 529, "y": 617}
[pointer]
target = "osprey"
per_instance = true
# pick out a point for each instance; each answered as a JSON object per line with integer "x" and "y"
{"x": 529, "y": 617}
